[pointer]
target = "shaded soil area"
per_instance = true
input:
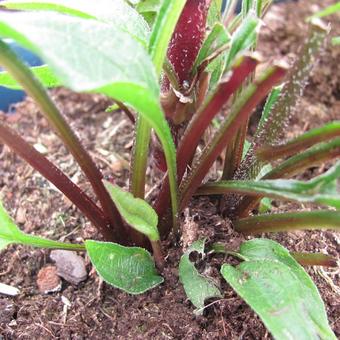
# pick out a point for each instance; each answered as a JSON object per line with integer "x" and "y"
{"x": 98, "y": 311}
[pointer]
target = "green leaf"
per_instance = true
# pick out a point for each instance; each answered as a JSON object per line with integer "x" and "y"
{"x": 164, "y": 26}
{"x": 198, "y": 287}
{"x": 43, "y": 73}
{"x": 128, "y": 268}
{"x": 135, "y": 211}
{"x": 332, "y": 9}
{"x": 96, "y": 57}
{"x": 336, "y": 41}
{"x": 322, "y": 189}
{"x": 117, "y": 12}
{"x": 243, "y": 38}
{"x": 10, "y": 233}
{"x": 214, "y": 13}
{"x": 279, "y": 291}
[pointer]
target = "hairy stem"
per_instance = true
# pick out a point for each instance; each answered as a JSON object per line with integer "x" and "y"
{"x": 271, "y": 129}
{"x": 305, "y": 220}
{"x": 241, "y": 111}
{"x": 296, "y": 164}
{"x": 201, "y": 121}
{"x": 315, "y": 259}
{"x": 308, "y": 139}
{"x": 32, "y": 86}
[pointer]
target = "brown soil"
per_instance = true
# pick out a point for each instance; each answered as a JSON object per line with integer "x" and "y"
{"x": 99, "y": 311}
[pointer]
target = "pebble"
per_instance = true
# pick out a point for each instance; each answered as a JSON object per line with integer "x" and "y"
{"x": 70, "y": 266}
{"x": 8, "y": 290}
{"x": 48, "y": 280}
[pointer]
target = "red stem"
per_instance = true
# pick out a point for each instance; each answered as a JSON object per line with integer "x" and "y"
{"x": 58, "y": 178}
{"x": 228, "y": 131}
{"x": 201, "y": 122}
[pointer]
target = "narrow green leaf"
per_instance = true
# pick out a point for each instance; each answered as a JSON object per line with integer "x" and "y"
{"x": 279, "y": 291}
{"x": 214, "y": 14}
{"x": 332, "y": 9}
{"x": 117, "y": 12}
{"x": 10, "y": 233}
{"x": 216, "y": 38}
{"x": 243, "y": 38}
{"x": 43, "y": 73}
{"x": 135, "y": 211}
{"x": 198, "y": 287}
{"x": 322, "y": 189}
{"x": 301, "y": 220}
{"x": 306, "y": 140}
{"x": 130, "y": 269}
{"x": 164, "y": 26}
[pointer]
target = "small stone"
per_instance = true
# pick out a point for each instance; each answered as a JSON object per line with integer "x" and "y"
{"x": 8, "y": 290}
{"x": 21, "y": 215}
{"x": 48, "y": 280}
{"x": 70, "y": 266}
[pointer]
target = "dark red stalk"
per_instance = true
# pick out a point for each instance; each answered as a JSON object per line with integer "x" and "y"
{"x": 202, "y": 120}
{"x": 58, "y": 178}
{"x": 186, "y": 40}
{"x": 228, "y": 130}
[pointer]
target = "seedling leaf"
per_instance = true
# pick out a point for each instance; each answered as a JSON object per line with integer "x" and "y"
{"x": 10, "y": 233}
{"x": 279, "y": 291}
{"x": 130, "y": 269}
{"x": 198, "y": 287}
{"x": 135, "y": 211}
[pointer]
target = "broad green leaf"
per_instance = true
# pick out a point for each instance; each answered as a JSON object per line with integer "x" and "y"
{"x": 10, "y": 233}
{"x": 278, "y": 296}
{"x": 43, "y": 73}
{"x": 310, "y": 302}
{"x": 117, "y": 12}
{"x": 135, "y": 211}
{"x": 96, "y": 57}
{"x": 198, "y": 287}
{"x": 322, "y": 189}
{"x": 94, "y": 54}
{"x": 131, "y": 269}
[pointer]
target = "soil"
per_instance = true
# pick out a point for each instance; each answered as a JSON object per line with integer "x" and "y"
{"x": 98, "y": 311}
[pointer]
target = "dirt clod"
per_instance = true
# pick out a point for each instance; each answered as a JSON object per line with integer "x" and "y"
{"x": 48, "y": 281}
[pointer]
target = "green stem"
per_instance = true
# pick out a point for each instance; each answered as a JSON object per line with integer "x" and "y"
{"x": 308, "y": 139}
{"x": 318, "y": 154}
{"x": 314, "y": 259}
{"x": 306, "y": 220}
{"x": 32, "y": 86}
